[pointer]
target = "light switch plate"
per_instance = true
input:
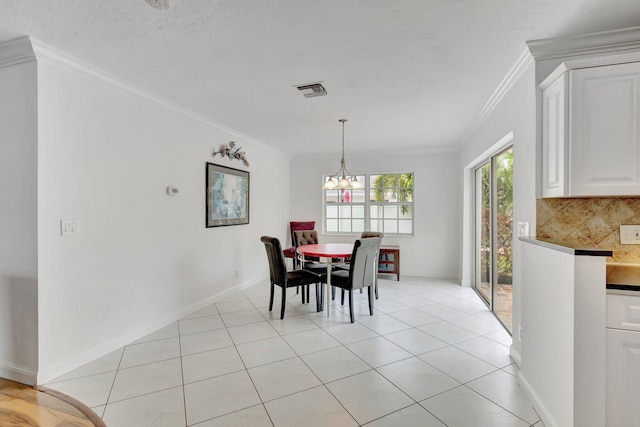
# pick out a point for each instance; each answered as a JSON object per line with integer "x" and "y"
{"x": 630, "y": 234}
{"x": 69, "y": 227}
{"x": 523, "y": 228}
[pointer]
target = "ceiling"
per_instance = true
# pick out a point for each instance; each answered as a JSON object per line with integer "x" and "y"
{"x": 408, "y": 74}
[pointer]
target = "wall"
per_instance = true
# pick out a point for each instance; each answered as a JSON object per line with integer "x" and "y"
{"x": 432, "y": 251}
{"x": 142, "y": 259}
{"x": 514, "y": 112}
{"x": 18, "y": 244}
{"x": 590, "y": 223}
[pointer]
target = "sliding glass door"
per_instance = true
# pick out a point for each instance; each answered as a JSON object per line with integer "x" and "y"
{"x": 494, "y": 233}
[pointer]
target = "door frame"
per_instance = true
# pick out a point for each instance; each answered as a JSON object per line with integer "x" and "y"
{"x": 468, "y": 201}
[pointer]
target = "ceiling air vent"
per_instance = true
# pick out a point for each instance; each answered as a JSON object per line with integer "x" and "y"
{"x": 310, "y": 90}
{"x": 159, "y": 4}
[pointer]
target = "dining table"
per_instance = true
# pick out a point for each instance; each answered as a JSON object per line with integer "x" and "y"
{"x": 326, "y": 252}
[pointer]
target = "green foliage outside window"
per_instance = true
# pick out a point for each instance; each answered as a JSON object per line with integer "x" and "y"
{"x": 399, "y": 186}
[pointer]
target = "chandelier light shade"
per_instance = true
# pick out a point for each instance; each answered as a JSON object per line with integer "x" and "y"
{"x": 342, "y": 179}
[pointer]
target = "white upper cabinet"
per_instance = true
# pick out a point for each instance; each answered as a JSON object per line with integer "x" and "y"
{"x": 591, "y": 131}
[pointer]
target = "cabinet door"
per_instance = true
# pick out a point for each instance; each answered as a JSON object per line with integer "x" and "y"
{"x": 623, "y": 378}
{"x": 554, "y": 138}
{"x": 604, "y": 132}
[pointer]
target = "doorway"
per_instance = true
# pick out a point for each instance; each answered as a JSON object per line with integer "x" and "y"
{"x": 493, "y": 183}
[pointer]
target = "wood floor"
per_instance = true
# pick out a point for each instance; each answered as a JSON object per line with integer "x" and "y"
{"x": 24, "y": 406}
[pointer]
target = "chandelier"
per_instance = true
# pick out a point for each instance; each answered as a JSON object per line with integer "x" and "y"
{"x": 343, "y": 179}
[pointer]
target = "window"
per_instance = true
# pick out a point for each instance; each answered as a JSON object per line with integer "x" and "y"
{"x": 384, "y": 204}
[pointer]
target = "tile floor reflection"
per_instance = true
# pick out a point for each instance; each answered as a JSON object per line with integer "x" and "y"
{"x": 432, "y": 355}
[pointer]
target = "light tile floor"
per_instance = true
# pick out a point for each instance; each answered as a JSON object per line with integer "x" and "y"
{"x": 432, "y": 355}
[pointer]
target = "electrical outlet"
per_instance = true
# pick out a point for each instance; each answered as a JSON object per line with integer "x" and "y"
{"x": 630, "y": 234}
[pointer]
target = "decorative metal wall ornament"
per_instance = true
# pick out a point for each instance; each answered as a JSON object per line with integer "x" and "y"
{"x": 230, "y": 150}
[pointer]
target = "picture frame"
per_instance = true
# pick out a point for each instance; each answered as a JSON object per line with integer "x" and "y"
{"x": 227, "y": 197}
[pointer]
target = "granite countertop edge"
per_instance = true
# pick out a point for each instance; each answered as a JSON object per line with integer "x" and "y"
{"x": 562, "y": 247}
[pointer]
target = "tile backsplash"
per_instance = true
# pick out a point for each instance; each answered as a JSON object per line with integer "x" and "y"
{"x": 590, "y": 222}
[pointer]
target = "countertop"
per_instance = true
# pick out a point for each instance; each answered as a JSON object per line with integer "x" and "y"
{"x": 562, "y": 247}
{"x": 621, "y": 278}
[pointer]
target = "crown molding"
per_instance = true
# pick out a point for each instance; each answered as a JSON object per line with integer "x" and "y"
{"x": 524, "y": 60}
{"x": 26, "y": 49}
{"x": 16, "y": 51}
{"x": 599, "y": 61}
{"x": 585, "y": 44}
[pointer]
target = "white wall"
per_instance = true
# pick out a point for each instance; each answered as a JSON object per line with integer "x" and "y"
{"x": 18, "y": 231}
{"x": 142, "y": 258}
{"x": 515, "y": 112}
{"x": 433, "y": 250}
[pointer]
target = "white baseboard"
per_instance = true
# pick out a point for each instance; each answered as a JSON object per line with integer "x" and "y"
{"x": 51, "y": 372}
{"x": 18, "y": 374}
{"x": 535, "y": 401}
{"x": 515, "y": 355}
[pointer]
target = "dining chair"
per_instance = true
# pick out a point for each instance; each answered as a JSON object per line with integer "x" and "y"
{"x": 279, "y": 276}
{"x": 365, "y": 235}
{"x": 361, "y": 271}
{"x": 293, "y": 226}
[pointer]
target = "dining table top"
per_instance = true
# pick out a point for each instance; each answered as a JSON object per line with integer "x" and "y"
{"x": 327, "y": 250}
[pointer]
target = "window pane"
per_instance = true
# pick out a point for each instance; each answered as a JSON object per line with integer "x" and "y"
{"x": 406, "y": 211}
{"x": 345, "y": 211}
{"x": 391, "y": 211}
{"x": 357, "y": 211}
{"x": 332, "y": 212}
{"x": 331, "y": 196}
{"x": 405, "y": 196}
{"x": 390, "y": 226}
{"x": 346, "y": 196}
{"x": 358, "y": 225}
{"x": 405, "y": 227}
{"x": 332, "y": 225}
{"x": 376, "y": 211}
{"x": 376, "y": 225}
{"x": 345, "y": 225}
{"x": 358, "y": 196}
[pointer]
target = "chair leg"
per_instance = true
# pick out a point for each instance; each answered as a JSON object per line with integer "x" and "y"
{"x": 303, "y": 293}
{"x": 318, "y": 302}
{"x": 342, "y": 297}
{"x": 333, "y": 293}
{"x": 351, "y": 304}
{"x": 308, "y": 293}
{"x": 376, "y": 285}
{"x": 271, "y": 298}
{"x": 369, "y": 293}
{"x": 284, "y": 301}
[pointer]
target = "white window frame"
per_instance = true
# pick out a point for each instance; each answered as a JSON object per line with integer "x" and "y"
{"x": 365, "y": 179}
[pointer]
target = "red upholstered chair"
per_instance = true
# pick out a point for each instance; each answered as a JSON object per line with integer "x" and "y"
{"x": 295, "y": 226}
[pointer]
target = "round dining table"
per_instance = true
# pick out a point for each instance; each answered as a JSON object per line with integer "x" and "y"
{"x": 326, "y": 252}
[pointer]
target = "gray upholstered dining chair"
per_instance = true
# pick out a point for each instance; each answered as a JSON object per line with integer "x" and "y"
{"x": 361, "y": 271}
{"x": 365, "y": 235}
{"x": 279, "y": 276}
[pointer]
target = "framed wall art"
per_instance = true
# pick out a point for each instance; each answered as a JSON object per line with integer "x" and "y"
{"x": 227, "y": 196}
